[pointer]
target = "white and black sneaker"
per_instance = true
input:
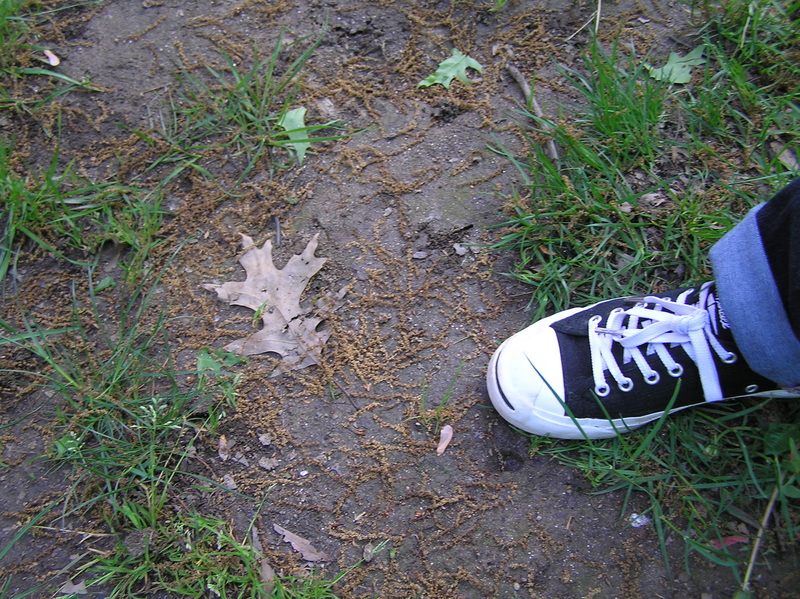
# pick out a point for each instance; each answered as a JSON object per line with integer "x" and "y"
{"x": 610, "y": 368}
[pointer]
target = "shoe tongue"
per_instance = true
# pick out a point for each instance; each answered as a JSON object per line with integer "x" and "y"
{"x": 577, "y": 325}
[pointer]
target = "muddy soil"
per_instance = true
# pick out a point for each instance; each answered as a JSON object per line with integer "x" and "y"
{"x": 402, "y": 208}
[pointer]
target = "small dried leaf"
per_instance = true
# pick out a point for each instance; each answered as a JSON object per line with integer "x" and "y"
{"x": 728, "y": 541}
{"x": 68, "y": 588}
{"x": 301, "y": 545}
{"x": 223, "y": 450}
{"x": 268, "y": 577}
{"x": 288, "y": 329}
{"x": 257, "y": 546}
{"x": 268, "y": 463}
{"x": 369, "y": 552}
{"x": 786, "y": 155}
{"x": 52, "y": 59}
{"x": 445, "y": 436}
{"x": 241, "y": 459}
{"x": 267, "y": 573}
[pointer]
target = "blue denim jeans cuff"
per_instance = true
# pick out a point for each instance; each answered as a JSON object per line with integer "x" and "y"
{"x": 753, "y": 307}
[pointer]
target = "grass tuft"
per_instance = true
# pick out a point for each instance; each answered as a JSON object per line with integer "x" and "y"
{"x": 59, "y": 212}
{"x": 648, "y": 175}
{"x": 120, "y": 399}
{"x": 231, "y": 113}
{"x": 706, "y": 474}
{"x": 14, "y": 29}
{"x": 623, "y": 108}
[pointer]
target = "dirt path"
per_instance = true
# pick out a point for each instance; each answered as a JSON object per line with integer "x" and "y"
{"x": 402, "y": 208}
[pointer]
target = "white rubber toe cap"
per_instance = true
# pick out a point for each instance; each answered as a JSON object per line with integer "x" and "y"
{"x": 526, "y": 382}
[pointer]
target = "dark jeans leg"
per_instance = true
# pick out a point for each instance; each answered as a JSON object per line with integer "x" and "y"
{"x": 779, "y": 224}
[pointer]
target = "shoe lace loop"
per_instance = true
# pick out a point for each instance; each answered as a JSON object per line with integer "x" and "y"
{"x": 654, "y": 326}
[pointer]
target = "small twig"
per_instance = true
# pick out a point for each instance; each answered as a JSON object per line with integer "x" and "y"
{"x": 277, "y": 232}
{"x": 759, "y": 538}
{"x": 530, "y": 100}
{"x": 577, "y": 31}
{"x": 596, "y": 20}
{"x": 84, "y": 533}
{"x": 346, "y": 394}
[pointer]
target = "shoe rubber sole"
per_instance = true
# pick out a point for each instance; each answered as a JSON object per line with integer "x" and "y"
{"x": 562, "y": 426}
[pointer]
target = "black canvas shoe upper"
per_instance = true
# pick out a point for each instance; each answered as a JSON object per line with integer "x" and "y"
{"x": 638, "y": 397}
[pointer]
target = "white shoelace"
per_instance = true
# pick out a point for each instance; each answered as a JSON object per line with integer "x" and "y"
{"x": 654, "y": 326}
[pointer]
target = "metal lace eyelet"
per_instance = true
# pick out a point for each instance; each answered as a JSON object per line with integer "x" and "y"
{"x": 751, "y": 388}
{"x": 652, "y": 378}
{"x": 676, "y": 371}
{"x": 603, "y": 390}
{"x": 730, "y": 358}
{"x": 626, "y": 385}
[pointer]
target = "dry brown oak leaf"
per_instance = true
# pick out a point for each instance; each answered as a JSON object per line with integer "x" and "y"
{"x": 289, "y": 329}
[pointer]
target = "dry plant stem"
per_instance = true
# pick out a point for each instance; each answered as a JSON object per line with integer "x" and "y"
{"x": 586, "y": 24}
{"x": 759, "y": 538}
{"x": 597, "y": 17}
{"x": 530, "y": 100}
{"x": 577, "y": 31}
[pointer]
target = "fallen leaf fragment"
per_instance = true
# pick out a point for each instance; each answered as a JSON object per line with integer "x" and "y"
{"x": 728, "y": 541}
{"x": 293, "y": 122}
{"x": 241, "y": 459}
{"x": 257, "y": 546}
{"x": 52, "y": 59}
{"x": 454, "y": 67}
{"x": 268, "y": 463}
{"x": 223, "y": 450}
{"x": 68, "y": 588}
{"x": 274, "y": 294}
{"x": 301, "y": 545}
{"x": 445, "y": 436}
{"x": 267, "y": 573}
{"x": 786, "y": 155}
{"x": 678, "y": 69}
{"x": 370, "y": 549}
{"x": 267, "y": 577}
